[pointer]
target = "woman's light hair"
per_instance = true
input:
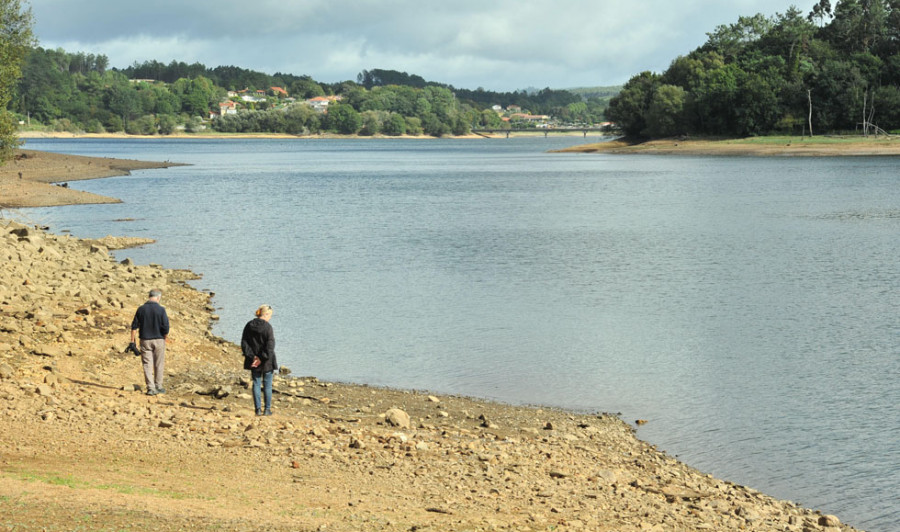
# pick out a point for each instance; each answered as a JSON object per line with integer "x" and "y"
{"x": 263, "y": 310}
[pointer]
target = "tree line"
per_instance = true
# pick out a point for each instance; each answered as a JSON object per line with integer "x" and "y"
{"x": 79, "y": 92}
{"x": 15, "y": 39}
{"x": 835, "y": 69}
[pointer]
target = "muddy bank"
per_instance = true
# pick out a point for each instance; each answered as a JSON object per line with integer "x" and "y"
{"x": 39, "y": 179}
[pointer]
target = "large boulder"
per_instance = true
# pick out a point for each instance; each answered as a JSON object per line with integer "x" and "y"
{"x": 397, "y": 418}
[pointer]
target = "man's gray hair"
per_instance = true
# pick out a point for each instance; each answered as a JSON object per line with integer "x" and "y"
{"x": 155, "y": 293}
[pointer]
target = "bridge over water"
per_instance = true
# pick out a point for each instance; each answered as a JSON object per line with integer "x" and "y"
{"x": 545, "y": 131}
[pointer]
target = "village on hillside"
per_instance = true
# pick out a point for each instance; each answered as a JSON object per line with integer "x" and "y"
{"x": 278, "y": 97}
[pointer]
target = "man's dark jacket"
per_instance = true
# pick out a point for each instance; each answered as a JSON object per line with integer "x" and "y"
{"x": 152, "y": 320}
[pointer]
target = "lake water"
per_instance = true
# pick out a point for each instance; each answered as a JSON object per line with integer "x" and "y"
{"x": 746, "y": 307}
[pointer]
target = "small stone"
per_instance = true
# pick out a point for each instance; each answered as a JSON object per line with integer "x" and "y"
{"x": 486, "y": 423}
{"x": 606, "y": 477}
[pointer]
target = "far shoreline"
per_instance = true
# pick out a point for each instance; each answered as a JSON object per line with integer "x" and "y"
{"x": 825, "y": 146}
{"x": 29, "y": 135}
{"x": 764, "y": 146}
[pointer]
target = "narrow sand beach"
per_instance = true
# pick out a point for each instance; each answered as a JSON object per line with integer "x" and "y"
{"x": 85, "y": 449}
{"x": 751, "y": 147}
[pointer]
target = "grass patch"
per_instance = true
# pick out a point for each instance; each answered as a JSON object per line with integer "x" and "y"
{"x": 126, "y": 489}
{"x": 53, "y": 479}
{"x": 783, "y": 139}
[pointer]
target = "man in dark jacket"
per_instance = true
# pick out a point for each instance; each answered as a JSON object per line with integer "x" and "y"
{"x": 258, "y": 346}
{"x": 153, "y": 322}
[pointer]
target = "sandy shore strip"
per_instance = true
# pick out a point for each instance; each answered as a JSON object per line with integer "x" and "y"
{"x": 84, "y": 448}
{"x": 40, "y": 179}
{"x": 756, "y": 146}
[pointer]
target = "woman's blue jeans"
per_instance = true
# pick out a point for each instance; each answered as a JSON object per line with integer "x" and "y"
{"x": 264, "y": 381}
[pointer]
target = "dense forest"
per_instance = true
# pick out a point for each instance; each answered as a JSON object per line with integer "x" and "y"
{"x": 79, "y": 92}
{"x": 835, "y": 69}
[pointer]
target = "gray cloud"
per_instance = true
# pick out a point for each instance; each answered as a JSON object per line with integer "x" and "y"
{"x": 499, "y": 45}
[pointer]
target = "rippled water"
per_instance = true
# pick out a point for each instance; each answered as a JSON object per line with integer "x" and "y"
{"x": 748, "y": 308}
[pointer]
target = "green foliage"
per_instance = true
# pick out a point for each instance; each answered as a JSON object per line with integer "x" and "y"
{"x": 413, "y": 125}
{"x": 166, "y": 124}
{"x": 15, "y": 38}
{"x": 343, "y": 119}
{"x": 379, "y": 77}
{"x": 80, "y": 88}
{"x": 763, "y": 73}
{"x": 664, "y": 114}
{"x": 371, "y": 123}
{"x": 395, "y": 125}
{"x": 629, "y": 108}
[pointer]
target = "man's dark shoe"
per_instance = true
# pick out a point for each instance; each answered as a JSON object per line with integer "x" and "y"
{"x": 151, "y": 392}
{"x": 160, "y": 391}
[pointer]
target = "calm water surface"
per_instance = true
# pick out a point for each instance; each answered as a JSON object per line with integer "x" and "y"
{"x": 748, "y": 308}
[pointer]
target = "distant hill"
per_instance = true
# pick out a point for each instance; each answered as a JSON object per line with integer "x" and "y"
{"x": 604, "y": 93}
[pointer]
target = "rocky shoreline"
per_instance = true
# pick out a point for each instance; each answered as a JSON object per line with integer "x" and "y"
{"x": 85, "y": 449}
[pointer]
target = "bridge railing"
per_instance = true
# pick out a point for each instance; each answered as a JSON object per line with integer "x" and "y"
{"x": 545, "y": 131}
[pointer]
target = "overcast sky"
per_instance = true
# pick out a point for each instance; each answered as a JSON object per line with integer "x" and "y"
{"x": 500, "y": 45}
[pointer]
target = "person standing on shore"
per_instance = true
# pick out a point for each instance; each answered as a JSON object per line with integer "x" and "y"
{"x": 258, "y": 347}
{"x": 153, "y": 322}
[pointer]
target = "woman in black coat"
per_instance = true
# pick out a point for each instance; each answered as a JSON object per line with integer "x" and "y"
{"x": 258, "y": 346}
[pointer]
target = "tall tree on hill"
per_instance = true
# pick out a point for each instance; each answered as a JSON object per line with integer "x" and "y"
{"x": 15, "y": 39}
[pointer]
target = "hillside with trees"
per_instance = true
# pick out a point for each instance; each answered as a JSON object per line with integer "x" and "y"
{"x": 835, "y": 69}
{"x": 78, "y": 92}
